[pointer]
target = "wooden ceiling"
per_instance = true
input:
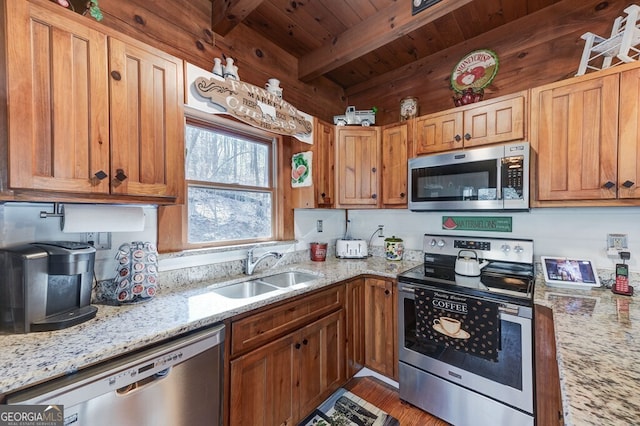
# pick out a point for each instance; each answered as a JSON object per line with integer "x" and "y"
{"x": 352, "y": 41}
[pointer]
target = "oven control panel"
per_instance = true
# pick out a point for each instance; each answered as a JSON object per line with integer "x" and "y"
{"x": 500, "y": 249}
{"x": 472, "y": 245}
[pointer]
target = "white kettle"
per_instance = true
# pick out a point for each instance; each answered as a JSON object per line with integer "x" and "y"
{"x": 467, "y": 265}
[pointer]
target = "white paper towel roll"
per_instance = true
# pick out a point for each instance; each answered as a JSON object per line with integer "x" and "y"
{"x": 97, "y": 218}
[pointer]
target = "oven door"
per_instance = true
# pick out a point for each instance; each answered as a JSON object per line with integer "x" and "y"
{"x": 508, "y": 380}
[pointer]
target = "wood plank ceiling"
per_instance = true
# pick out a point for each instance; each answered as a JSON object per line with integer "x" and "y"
{"x": 352, "y": 41}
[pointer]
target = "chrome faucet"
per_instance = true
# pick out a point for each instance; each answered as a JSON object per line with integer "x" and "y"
{"x": 251, "y": 264}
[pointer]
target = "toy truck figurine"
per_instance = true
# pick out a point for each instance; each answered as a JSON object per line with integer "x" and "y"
{"x": 365, "y": 117}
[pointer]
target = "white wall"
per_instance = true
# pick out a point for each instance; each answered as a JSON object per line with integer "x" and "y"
{"x": 579, "y": 232}
{"x": 21, "y": 223}
{"x": 558, "y": 231}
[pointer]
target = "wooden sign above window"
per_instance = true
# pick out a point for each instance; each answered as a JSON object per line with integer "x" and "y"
{"x": 248, "y": 103}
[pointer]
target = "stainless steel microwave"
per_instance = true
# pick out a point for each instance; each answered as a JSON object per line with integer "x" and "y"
{"x": 488, "y": 178}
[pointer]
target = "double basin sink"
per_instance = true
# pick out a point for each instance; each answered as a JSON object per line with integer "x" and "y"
{"x": 263, "y": 285}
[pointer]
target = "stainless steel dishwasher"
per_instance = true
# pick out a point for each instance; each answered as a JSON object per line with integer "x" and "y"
{"x": 173, "y": 384}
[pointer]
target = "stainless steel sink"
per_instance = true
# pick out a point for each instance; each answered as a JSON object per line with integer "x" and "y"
{"x": 288, "y": 279}
{"x": 245, "y": 289}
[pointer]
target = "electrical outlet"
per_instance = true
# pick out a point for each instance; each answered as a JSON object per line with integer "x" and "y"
{"x": 380, "y": 230}
{"x": 319, "y": 225}
{"x": 617, "y": 241}
{"x": 99, "y": 240}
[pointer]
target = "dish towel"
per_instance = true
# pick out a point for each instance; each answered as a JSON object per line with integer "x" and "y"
{"x": 464, "y": 323}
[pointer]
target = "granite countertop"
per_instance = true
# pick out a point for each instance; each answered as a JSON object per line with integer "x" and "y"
{"x": 595, "y": 336}
{"x": 27, "y": 359}
{"x": 598, "y": 343}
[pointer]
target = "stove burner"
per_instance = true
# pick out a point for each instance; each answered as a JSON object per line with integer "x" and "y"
{"x": 509, "y": 274}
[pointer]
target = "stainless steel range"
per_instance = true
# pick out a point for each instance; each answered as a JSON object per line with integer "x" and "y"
{"x": 466, "y": 330}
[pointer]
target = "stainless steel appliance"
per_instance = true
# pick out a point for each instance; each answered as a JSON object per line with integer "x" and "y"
{"x": 45, "y": 286}
{"x": 178, "y": 383}
{"x": 490, "y": 178}
{"x": 466, "y": 342}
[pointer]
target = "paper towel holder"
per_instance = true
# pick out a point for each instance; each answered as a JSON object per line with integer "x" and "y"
{"x": 57, "y": 212}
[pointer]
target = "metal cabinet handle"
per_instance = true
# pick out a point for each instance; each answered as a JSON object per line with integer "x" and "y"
{"x": 467, "y": 136}
{"x": 373, "y": 170}
{"x": 387, "y": 292}
{"x": 100, "y": 174}
{"x": 374, "y": 196}
{"x": 628, "y": 184}
{"x": 298, "y": 345}
{"x": 323, "y": 195}
{"x": 457, "y": 138}
{"x": 305, "y": 341}
{"x": 120, "y": 175}
{"x": 116, "y": 75}
{"x": 402, "y": 195}
{"x": 609, "y": 185}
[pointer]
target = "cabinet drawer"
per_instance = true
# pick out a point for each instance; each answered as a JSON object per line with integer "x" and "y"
{"x": 255, "y": 330}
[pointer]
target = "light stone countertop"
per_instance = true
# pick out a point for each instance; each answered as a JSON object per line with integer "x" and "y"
{"x": 598, "y": 347}
{"x": 28, "y": 359}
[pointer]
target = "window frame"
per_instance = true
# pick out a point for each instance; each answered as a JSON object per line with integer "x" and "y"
{"x": 173, "y": 219}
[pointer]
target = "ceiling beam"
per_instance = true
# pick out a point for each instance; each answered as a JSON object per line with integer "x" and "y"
{"x": 380, "y": 29}
{"x": 227, "y": 14}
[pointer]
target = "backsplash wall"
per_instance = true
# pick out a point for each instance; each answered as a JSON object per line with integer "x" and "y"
{"x": 21, "y": 223}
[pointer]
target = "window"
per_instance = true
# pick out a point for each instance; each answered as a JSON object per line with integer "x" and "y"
{"x": 231, "y": 194}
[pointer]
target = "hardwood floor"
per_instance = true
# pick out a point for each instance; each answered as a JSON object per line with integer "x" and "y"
{"x": 386, "y": 398}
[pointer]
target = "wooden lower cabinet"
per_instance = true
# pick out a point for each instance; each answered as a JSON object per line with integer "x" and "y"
{"x": 380, "y": 325}
{"x": 548, "y": 396}
{"x": 284, "y": 380}
{"x": 355, "y": 326}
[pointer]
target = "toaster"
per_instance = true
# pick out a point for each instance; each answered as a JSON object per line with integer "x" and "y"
{"x": 351, "y": 249}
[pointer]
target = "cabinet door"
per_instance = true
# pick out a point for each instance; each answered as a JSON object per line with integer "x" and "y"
{"x": 324, "y": 152}
{"x": 57, "y": 102}
{"x": 574, "y": 128}
{"x": 379, "y": 328}
{"x": 357, "y": 166}
{"x": 263, "y": 389}
{"x": 355, "y": 326}
{"x": 435, "y": 133}
{"x": 322, "y": 360}
{"x": 147, "y": 129}
{"x": 394, "y": 165}
{"x": 496, "y": 122}
{"x": 629, "y": 143}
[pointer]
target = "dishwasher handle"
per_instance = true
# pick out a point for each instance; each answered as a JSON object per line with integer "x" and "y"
{"x": 143, "y": 383}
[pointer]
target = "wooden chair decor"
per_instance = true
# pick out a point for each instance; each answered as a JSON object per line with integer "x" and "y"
{"x": 600, "y": 53}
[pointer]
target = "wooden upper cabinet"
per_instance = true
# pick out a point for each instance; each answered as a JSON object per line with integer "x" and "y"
{"x": 629, "y": 143}
{"x": 357, "y": 164}
{"x": 488, "y": 122}
{"x": 146, "y": 121}
{"x": 438, "y": 132}
{"x": 495, "y": 122}
{"x": 574, "y": 128}
{"x": 324, "y": 152}
{"x": 395, "y": 156}
{"x": 90, "y": 114}
{"x": 57, "y": 102}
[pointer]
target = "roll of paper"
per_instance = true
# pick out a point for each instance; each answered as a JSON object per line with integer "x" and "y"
{"x": 101, "y": 218}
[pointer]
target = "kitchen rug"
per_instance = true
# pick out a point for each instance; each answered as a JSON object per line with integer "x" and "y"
{"x": 346, "y": 409}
